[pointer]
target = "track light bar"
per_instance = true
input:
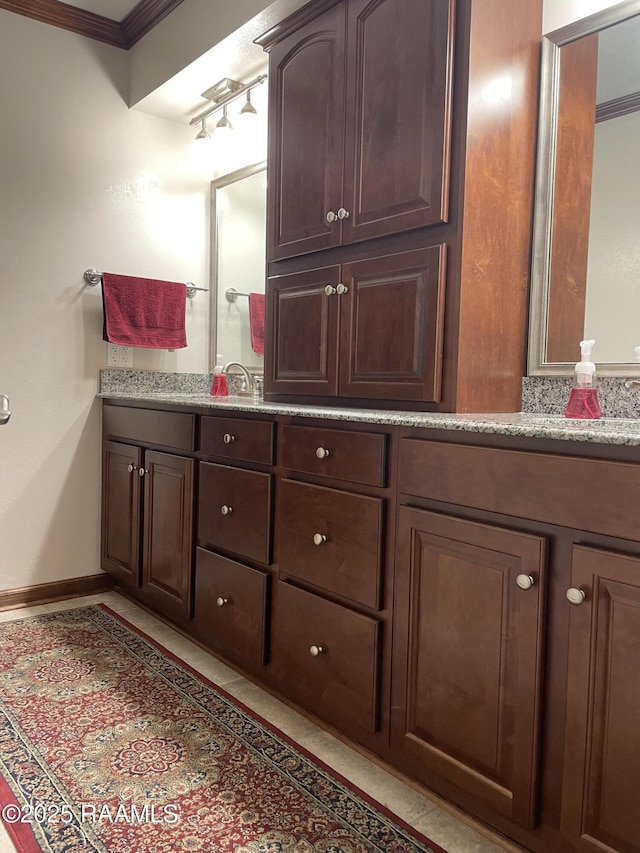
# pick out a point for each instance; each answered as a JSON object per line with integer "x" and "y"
{"x": 226, "y": 98}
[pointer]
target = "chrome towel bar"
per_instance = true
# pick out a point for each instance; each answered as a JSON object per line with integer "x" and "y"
{"x": 94, "y": 277}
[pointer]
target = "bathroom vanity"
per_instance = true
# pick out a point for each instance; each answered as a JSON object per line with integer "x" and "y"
{"x": 458, "y": 594}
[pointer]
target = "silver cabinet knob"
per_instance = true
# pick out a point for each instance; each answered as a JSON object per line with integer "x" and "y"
{"x": 228, "y": 438}
{"x": 341, "y": 288}
{"x": 329, "y": 290}
{"x": 315, "y": 651}
{"x": 222, "y": 601}
{"x": 319, "y": 538}
{"x": 322, "y": 452}
{"x": 142, "y": 472}
{"x": 575, "y": 596}
{"x": 331, "y": 216}
{"x": 131, "y": 468}
{"x": 226, "y": 510}
{"x": 525, "y": 581}
{"x": 342, "y": 213}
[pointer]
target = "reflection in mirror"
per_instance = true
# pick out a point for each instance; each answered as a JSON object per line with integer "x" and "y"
{"x": 238, "y": 262}
{"x": 586, "y": 260}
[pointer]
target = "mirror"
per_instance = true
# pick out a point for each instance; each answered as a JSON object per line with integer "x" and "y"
{"x": 586, "y": 255}
{"x": 238, "y": 262}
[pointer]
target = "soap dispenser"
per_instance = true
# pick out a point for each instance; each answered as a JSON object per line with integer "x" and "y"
{"x": 219, "y": 386}
{"x": 583, "y": 400}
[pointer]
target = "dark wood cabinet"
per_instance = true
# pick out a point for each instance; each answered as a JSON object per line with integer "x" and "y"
{"x": 121, "y": 508}
{"x": 386, "y": 138}
{"x": 360, "y": 105}
{"x": 147, "y": 521}
{"x": 467, "y": 657}
{"x": 602, "y": 744}
{"x": 367, "y": 329}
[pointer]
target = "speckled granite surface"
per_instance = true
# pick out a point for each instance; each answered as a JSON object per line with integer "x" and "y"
{"x": 549, "y": 395}
{"x": 188, "y": 390}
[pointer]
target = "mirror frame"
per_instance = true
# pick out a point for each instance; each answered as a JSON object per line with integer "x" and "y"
{"x": 217, "y": 184}
{"x": 545, "y": 182}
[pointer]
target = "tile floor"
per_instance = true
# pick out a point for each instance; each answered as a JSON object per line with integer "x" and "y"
{"x": 440, "y": 822}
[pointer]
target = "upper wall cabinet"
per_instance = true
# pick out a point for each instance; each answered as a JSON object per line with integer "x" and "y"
{"x": 360, "y": 113}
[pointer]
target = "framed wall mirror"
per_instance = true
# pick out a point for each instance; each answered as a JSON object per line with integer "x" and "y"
{"x": 586, "y": 256}
{"x": 238, "y": 262}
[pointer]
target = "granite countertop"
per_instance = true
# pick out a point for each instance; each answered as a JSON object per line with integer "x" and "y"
{"x": 618, "y": 431}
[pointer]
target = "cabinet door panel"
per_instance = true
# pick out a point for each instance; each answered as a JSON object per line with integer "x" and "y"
{"x": 301, "y": 356}
{"x": 120, "y": 546}
{"x": 602, "y": 740}
{"x": 341, "y": 683}
{"x": 307, "y": 135}
{"x": 167, "y": 533}
{"x": 348, "y": 562}
{"x": 398, "y": 106}
{"x": 467, "y": 652}
{"x": 234, "y": 511}
{"x": 391, "y": 326}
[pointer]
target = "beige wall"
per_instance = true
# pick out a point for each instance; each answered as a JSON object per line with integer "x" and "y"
{"x": 84, "y": 182}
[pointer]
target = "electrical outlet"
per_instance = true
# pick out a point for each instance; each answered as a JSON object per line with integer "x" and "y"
{"x": 119, "y": 356}
{"x": 114, "y": 355}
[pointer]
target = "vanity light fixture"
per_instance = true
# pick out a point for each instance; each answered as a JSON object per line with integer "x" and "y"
{"x": 203, "y": 133}
{"x": 222, "y": 94}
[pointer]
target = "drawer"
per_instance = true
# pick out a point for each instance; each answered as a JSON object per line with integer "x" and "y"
{"x": 331, "y": 539}
{"x": 148, "y": 426}
{"x": 584, "y": 494}
{"x": 359, "y": 457}
{"x": 233, "y": 438}
{"x": 230, "y": 607}
{"x": 234, "y": 510}
{"x": 339, "y": 682}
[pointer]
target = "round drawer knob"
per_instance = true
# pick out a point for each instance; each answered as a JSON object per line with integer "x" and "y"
{"x": 222, "y": 601}
{"x": 342, "y": 213}
{"x": 342, "y": 288}
{"x": 131, "y": 468}
{"x": 322, "y": 452}
{"x": 575, "y": 596}
{"x": 525, "y": 581}
{"x": 228, "y": 438}
{"x": 316, "y": 651}
{"x": 329, "y": 290}
{"x": 142, "y": 472}
{"x": 331, "y": 216}
{"x": 226, "y": 510}
{"x": 319, "y": 538}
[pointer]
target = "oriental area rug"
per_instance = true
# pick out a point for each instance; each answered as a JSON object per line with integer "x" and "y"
{"x": 109, "y": 743}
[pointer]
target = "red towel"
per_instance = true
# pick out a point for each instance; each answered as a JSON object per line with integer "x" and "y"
{"x": 143, "y": 312}
{"x": 256, "y": 322}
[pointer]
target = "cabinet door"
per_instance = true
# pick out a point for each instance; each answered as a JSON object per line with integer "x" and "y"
{"x": 467, "y": 653}
{"x": 167, "y": 533}
{"x": 398, "y": 113}
{"x": 602, "y": 740}
{"x": 301, "y": 355}
{"x": 391, "y": 326}
{"x": 306, "y": 120}
{"x": 120, "y": 546}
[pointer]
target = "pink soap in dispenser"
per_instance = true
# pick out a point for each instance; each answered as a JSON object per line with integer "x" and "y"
{"x": 583, "y": 400}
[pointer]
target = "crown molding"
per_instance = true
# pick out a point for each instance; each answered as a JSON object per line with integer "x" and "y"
{"x": 123, "y": 34}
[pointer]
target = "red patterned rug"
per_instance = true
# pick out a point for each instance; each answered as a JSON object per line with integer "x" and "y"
{"x": 108, "y": 743}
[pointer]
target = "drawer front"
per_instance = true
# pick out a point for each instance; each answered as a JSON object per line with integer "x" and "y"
{"x": 230, "y": 607}
{"x": 359, "y": 457}
{"x": 169, "y": 429}
{"x": 234, "y": 511}
{"x": 340, "y": 682}
{"x": 331, "y": 539}
{"x": 233, "y": 438}
{"x": 585, "y": 494}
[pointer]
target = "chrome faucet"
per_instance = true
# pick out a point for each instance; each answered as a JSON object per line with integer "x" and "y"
{"x": 248, "y": 388}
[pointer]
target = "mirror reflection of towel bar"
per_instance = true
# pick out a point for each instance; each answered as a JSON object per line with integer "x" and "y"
{"x": 94, "y": 277}
{"x": 231, "y": 294}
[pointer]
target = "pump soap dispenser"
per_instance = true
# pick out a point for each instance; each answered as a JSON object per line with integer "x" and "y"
{"x": 583, "y": 400}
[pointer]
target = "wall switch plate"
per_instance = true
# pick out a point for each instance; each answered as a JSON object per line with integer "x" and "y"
{"x": 119, "y": 356}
